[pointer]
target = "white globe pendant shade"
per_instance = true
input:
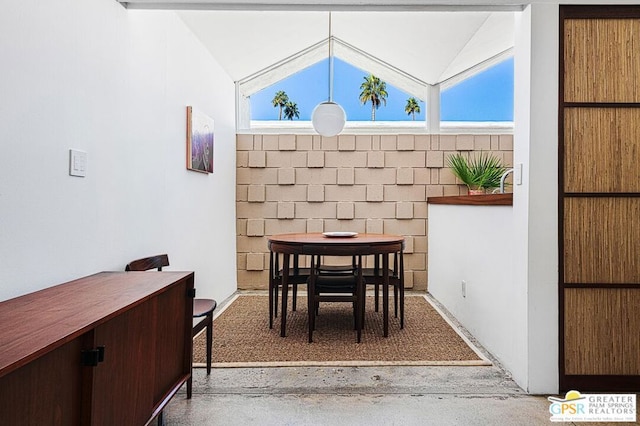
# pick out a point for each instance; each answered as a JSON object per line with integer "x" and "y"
{"x": 328, "y": 118}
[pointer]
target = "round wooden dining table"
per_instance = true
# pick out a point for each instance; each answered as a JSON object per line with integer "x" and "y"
{"x": 336, "y": 244}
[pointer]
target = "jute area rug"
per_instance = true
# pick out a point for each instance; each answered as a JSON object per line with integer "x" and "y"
{"x": 242, "y": 338}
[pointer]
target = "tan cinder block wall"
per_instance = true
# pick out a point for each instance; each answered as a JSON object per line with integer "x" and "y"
{"x": 362, "y": 183}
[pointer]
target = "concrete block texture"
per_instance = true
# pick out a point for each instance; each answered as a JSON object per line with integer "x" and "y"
{"x": 408, "y": 244}
{"x": 384, "y": 176}
{"x": 345, "y": 193}
{"x": 287, "y": 142}
{"x": 244, "y": 143}
{"x": 346, "y": 176}
{"x": 405, "y": 159}
{"x": 255, "y": 261}
{"x": 375, "y": 159}
{"x": 315, "y": 225}
{"x": 256, "y": 194}
{"x": 316, "y": 176}
{"x": 406, "y": 142}
{"x": 286, "y": 210}
{"x": 464, "y": 142}
{"x": 375, "y": 193}
{"x": 346, "y": 159}
{"x": 404, "y": 176}
{"x": 277, "y": 193}
{"x": 346, "y": 143}
{"x": 364, "y": 143}
{"x": 375, "y": 226}
{"x": 404, "y": 210}
{"x": 345, "y": 210}
{"x": 255, "y": 227}
{"x": 257, "y": 159}
{"x": 287, "y": 176}
{"x": 315, "y": 193}
{"x": 269, "y": 142}
{"x": 315, "y": 159}
{"x": 278, "y": 159}
{"x": 422, "y": 142}
{"x": 273, "y": 227}
{"x": 435, "y": 159}
{"x": 304, "y": 142}
{"x": 374, "y": 183}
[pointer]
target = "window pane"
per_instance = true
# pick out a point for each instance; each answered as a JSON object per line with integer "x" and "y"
{"x": 307, "y": 88}
{"x": 346, "y": 92}
{"x": 487, "y": 96}
{"x": 310, "y": 86}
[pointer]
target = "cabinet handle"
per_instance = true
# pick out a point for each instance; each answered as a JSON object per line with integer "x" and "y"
{"x": 91, "y": 357}
{"x": 191, "y": 292}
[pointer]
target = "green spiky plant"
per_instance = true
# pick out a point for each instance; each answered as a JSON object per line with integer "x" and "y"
{"x": 482, "y": 171}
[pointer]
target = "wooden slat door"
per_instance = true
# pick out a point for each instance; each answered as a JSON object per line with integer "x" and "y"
{"x": 599, "y": 195}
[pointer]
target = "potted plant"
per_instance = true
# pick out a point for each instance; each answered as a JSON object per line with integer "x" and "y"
{"x": 479, "y": 172}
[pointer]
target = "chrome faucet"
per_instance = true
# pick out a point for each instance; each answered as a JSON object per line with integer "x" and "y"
{"x": 504, "y": 176}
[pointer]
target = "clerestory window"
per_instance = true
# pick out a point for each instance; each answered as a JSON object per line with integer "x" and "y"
{"x": 480, "y": 97}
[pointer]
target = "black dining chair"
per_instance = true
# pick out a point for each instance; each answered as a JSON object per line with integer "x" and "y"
{"x": 340, "y": 283}
{"x": 296, "y": 277}
{"x": 374, "y": 276}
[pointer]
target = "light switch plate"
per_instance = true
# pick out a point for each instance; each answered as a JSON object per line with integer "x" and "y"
{"x": 77, "y": 163}
{"x": 517, "y": 174}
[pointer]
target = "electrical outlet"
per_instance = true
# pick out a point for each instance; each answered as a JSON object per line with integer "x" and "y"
{"x": 464, "y": 288}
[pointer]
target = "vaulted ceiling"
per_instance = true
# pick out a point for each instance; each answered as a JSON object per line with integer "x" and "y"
{"x": 426, "y": 43}
{"x": 429, "y": 46}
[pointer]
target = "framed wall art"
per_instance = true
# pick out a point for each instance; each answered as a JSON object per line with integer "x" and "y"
{"x": 199, "y": 141}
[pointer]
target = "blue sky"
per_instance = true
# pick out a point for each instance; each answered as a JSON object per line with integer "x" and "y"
{"x": 487, "y": 96}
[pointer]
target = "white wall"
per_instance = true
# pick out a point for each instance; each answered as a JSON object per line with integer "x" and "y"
{"x": 522, "y": 293}
{"x": 90, "y": 75}
{"x": 535, "y": 202}
{"x": 475, "y": 244}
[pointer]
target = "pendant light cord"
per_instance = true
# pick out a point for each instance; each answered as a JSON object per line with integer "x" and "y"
{"x": 330, "y": 63}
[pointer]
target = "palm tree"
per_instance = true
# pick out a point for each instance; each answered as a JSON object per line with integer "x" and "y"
{"x": 374, "y": 90}
{"x": 291, "y": 110}
{"x": 280, "y": 100}
{"x": 412, "y": 108}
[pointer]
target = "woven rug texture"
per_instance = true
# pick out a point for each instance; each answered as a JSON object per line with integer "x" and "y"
{"x": 241, "y": 337}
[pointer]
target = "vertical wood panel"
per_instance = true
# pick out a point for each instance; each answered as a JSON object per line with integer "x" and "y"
{"x": 600, "y": 231}
{"x": 38, "y": 394}
{"x": 597, "y": 63}
{"x": 123, "y": 383}
{"x": 602, "y": 331}
{"x": 172, "y": 310}
{"x": 602, "y": 240}
{"x": 602, "y": 149}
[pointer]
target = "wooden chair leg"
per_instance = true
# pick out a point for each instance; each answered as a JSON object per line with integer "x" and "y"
{"x": 161, "y": 419}
{"x": 189, "y": 385}
{"x": 271, "y": 286}
{"x": 401, "y": 289}
{"x": 275, "y": 300}
{"x": 209, "y": 340}
{"x": 295, "y": 295}
{"x": 376, "y": 269}
{"x": 395, "y": 300}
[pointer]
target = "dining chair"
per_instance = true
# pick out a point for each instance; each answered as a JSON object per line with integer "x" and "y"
{"x": 297, "y": 276}
{"x": 340, "y": 283}
{"x": 202, "y": 308}
{"x": 374, "y": 276}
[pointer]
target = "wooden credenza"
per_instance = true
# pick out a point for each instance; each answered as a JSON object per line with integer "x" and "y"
{"x": 108, "y": 349}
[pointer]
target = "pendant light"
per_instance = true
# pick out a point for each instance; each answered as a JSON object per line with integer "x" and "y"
{"x": 328, "y": 118}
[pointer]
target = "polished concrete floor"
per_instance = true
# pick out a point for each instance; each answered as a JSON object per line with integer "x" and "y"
{"x": 434, "y": 395}
{"x": 356, "y": 396}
